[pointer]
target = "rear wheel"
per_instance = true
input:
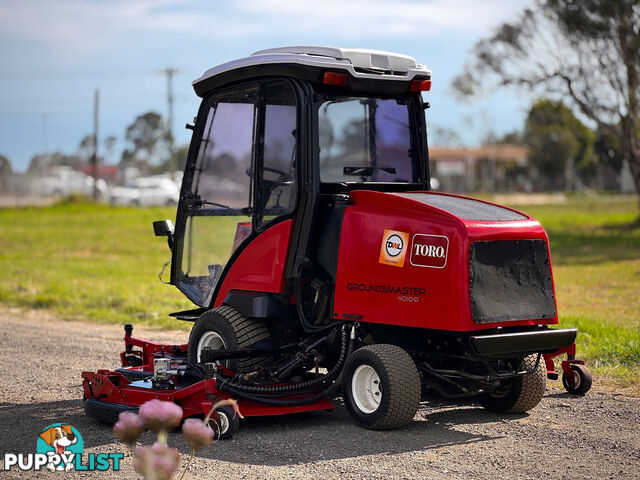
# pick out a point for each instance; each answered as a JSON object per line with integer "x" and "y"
{"x": 521, "y": 393}
{"x": 381, "y": 387}
{"x": 223, "y": 328}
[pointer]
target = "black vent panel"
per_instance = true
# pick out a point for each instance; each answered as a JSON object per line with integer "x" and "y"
{"x": 510, "y": 280}
{"x": 466, "y": 208}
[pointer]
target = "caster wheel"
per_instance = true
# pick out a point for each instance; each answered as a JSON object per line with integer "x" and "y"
{"x": 227, "y": 424}
{"x": 581, "y": 381}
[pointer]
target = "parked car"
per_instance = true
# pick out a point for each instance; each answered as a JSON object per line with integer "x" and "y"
{"x": 64, "y": 181}
{"x": 146, "y": 191}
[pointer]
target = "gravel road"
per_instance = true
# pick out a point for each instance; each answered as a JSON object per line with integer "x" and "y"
{"x": 591, "y": 437}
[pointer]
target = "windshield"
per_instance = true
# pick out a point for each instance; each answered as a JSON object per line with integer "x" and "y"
{"x": 365, "y": 139}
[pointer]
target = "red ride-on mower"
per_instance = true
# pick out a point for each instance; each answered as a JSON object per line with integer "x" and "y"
{"x": 322, "y": 265}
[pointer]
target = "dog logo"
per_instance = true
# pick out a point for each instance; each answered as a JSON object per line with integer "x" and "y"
{"x": 393, "y": 248}
{"x": 60, "y": 448}
{"x": 60, "y": 442}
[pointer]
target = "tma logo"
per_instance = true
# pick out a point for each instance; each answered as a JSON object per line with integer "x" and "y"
{"x": 60, "y": 448}
{"x": 393, "y": 248}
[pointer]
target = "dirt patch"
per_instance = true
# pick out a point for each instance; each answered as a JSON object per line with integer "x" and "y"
{"x": 590, "y": 437}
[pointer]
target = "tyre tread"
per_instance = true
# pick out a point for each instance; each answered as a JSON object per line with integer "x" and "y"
{"x": 247, "y": 332}
{"x": 403, "y": 385}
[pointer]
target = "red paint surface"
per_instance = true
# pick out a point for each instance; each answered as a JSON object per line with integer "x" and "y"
{"x": 112, "y": 387}
{"x": 260, "y": 266}
{"x": 414, "y": 295}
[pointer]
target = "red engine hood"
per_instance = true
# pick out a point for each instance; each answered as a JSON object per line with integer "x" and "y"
{"x": 469, "y": 212}
{"x": 404, "y": 258}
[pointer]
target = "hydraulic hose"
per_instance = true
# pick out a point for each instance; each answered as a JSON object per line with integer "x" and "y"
{"x": 261, "y": 393}
{"x": 306, "y": 325}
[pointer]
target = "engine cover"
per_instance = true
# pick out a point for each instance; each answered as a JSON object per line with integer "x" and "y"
{"x": 432, "y": 260}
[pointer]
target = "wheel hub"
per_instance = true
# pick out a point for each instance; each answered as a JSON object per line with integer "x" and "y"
{"x": 366, "y": 389}
{"x": 211, "y": 340}
{"x": 223, "y": 422}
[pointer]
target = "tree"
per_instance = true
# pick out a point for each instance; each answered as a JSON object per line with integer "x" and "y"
{"x": 5, "y": 171}
{"x": 5, "y": 166}
{"x": 178, "y": 160}
{"x": 40, "y": 164}
{"x": 557, "y": 140}
{"x": 109, "y": 144}
{"x": 86, "y": 147}
{"x": 587, "y": 51}
{"x": 147, "y": 141}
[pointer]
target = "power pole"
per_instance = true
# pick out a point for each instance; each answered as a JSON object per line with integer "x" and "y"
{"x": 170, "y": 72}
{"x": 94, "y": 157}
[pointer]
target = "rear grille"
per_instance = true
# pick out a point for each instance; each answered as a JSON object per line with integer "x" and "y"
{"x": 510, "y": 281}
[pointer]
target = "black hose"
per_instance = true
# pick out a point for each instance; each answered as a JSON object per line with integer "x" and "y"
{"x": 257, "y": 393}
{"x": 306, "y": 325}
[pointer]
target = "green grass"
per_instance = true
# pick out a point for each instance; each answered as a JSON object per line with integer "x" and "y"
{"x": 88, "y": 262}
{"x": 595, "y": 249}
{"x": 100, "y": 263}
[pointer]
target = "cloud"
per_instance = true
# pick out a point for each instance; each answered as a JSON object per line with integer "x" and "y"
{"x": 383, "y": 18}
{"x": 86, "y": 25}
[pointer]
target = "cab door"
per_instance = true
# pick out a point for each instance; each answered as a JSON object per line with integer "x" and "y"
{"x": 240, "y": 179}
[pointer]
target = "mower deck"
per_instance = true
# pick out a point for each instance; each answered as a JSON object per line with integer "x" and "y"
{"x": 107, "y": 392}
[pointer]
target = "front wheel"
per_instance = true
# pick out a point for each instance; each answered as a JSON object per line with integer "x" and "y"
{"x": 224, "y": 328}
{"x": 226, "y": 425}
{"x": 519, "y": 394}
{"x": 381, "y": 387}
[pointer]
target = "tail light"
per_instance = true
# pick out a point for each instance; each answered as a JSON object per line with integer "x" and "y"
{"x": 337, "y": 79}
{"x": 420, "y": 86}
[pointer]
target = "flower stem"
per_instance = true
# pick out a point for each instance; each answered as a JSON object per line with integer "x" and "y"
{"x": 163, "y": 437}
{"x": 188, "y": 464}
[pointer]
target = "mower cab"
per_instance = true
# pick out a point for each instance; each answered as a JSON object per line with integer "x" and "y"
{"x": 320, "y": 262}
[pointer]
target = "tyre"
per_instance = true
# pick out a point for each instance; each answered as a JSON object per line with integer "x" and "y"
{"x": 226, "y": 425}
{"x": 582, "y": 380}
{"x": 225, "y": 328}
{"x": 521, "y": 393}
{"x": 381, "y": 387}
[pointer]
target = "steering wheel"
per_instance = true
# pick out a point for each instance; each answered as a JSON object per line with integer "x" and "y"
{"x": 283, "y": 177}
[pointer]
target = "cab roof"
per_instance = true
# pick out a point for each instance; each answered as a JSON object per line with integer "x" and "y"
{"x": 358, "y": 63}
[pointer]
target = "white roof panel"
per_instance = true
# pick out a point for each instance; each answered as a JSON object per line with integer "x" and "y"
{"x": 361, "y": 63}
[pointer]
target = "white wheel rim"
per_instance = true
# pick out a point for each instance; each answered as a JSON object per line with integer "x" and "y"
{"x": 222, "y": 425}
{"x": 211, "y": 340}
{"x": 224, "y": 422}
{"x": 365, "y": 389}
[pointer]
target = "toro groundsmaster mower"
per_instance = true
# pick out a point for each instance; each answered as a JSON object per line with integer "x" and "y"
{"x": 322, "y": 265}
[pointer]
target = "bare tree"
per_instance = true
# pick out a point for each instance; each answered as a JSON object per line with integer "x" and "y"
{"x": 587, "y": 51}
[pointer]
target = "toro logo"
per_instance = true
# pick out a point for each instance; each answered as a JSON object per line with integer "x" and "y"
{"x": 393, "y": 248}
{"x": 429, "y": 250}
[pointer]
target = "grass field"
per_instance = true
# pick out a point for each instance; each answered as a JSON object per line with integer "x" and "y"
{"x": 595, "y": 248}
{"x": 100, "y": 263}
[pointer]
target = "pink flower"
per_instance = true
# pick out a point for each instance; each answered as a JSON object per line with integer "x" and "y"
{"x": 159, "y": 415}
{"x": 196, "y": 433}
{"x": 157, "y": 462}
{"x": 129, "y": 427}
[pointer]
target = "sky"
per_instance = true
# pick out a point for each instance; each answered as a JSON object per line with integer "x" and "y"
{"x": 54, "y": 55}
